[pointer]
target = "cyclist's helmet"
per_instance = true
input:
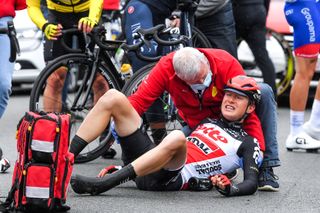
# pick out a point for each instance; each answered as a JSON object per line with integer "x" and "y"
{"x": 245, "y": 86}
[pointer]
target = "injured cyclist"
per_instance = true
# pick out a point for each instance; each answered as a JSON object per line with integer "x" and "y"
{"x": 214, "y": 148}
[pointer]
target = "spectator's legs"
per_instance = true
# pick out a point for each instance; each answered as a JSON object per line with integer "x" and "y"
{"x": 267, "y": 113}
{"x": 219, "y": 28}
{"x": 6, "y": 68}
{"x": 256, "y": 39}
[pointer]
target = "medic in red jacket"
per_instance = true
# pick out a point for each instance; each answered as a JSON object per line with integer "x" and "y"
{"x": 191, "y": 108}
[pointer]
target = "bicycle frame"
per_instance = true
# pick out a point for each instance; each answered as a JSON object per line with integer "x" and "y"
{"x": 97, "y": 55}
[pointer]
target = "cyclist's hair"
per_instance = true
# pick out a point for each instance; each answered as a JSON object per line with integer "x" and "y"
{"x": 187, "y": 63}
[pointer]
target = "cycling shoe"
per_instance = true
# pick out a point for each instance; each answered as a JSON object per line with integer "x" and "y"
{"x": 4, "y": 165}
{"x": 93, "y": 185}
{"x": 83, "y": 185}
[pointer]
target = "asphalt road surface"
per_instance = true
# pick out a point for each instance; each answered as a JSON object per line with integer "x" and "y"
{"x": 299, "y": 179}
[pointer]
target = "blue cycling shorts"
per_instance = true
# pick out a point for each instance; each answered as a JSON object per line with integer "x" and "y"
{"x": 304, "y": 17}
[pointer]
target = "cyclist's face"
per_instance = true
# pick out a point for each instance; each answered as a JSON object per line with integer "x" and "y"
{"x": 234, "y": 106}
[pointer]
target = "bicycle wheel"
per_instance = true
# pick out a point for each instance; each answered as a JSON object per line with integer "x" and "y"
{"x": 77, "y": 101}
{"x": 173, "y": 121}
{"x": 199, "y": 39}
{"x": 280, "y": 54}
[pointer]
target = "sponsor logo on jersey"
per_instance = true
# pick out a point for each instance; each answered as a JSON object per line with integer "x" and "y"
{"x": 201, "y": 145}
{"x": 256, "y": 153}
{"x": 289, "y": 12}
{"x": 214, "y": 91}
{"x": 208, "y": 167}
{"x": 310, "y": 24}
{"x": 131, "y": 9}
{"x": 212, "y": 132}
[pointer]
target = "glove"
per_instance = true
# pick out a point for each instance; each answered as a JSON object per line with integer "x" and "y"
{"x": 109, "y": 170}
{"x": 4, "y": 165}
{"x": 52, "y": 31}
{"x": 222, "y": 184}
{"x": 86, "y": 24}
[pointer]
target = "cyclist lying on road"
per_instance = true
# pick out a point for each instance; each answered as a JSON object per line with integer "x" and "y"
{"x": 214, "y": 148}
{"x": 195, "y": 79}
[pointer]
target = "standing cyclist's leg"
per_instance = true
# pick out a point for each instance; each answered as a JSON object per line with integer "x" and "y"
{"x": 138, "y": 15}
{"x": 312, "y": 127}
{"x": 267, "y": 113}
{"x": 306, "y": 48}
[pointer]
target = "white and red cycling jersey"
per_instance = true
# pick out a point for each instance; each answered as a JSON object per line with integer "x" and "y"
{"x": 213, "y": 148}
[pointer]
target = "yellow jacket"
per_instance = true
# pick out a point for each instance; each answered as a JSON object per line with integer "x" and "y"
{"x": 64, "y": 6}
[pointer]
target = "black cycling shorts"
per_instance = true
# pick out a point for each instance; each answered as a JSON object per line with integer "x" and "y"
{"x": 136, "y": 145}
{"x": 54, "y": 49}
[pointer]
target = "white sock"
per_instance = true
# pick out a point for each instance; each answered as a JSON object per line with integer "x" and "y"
{"x": 296, "y": 122}
{"x": 315, "y": 114}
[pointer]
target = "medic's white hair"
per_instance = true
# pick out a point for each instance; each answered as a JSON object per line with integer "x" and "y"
{"x": 187, "y": 63}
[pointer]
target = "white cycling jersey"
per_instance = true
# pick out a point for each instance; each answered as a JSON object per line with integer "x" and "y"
{"x": 213, "y": 149}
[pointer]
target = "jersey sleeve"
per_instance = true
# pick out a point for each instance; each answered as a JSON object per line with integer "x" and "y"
{"x": 34, "y": 12}
{"x": 253, "y": 127}
{"x": 151, "y": 87}
{"x": 95, "y": 10}
{"x": 249, "y": 151}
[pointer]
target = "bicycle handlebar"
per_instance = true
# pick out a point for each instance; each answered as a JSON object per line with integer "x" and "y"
{"x": 96, "y": 35}
{"x": 146, "y": 35}
{"x": 14, "y": 44}
{"x": 63, "y": 43}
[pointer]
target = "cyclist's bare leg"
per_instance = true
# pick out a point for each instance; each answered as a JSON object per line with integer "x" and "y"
{"x": 112, "y": 104}
{"x": 305, "y": 68}
{"x": 169, "y": 154}
{"x": 99, "y": 87}
{"x": 52, "y": 96}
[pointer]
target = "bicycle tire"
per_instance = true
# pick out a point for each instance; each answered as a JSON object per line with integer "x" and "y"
{"x": 284, "y": 66}
{"x": 95, "y": 148}
{"x": 199, "y": 39}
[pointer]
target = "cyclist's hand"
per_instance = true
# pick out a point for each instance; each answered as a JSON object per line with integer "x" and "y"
{"x": 175, "y": 22}
{"x": 52, "y": 31}
{"x": 109, "y": 170}
{"x": 222, "y": 184}
{"x": 86, "y": 24}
